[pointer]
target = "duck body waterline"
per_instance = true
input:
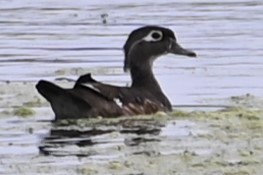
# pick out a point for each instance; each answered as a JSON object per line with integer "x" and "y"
{"x": 90, "y": 98}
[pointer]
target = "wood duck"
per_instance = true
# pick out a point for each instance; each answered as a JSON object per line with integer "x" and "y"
{"x": 90, "y": 98}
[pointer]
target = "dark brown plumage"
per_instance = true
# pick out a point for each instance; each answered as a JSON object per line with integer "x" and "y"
{"x": 90, "y": 98}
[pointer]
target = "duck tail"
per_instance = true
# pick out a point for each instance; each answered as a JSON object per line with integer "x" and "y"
{"x": 64, "y": 102}
{"x": 49, "y": 90}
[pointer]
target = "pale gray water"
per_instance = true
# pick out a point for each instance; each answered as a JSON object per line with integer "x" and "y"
{"x": 40, "y": 38}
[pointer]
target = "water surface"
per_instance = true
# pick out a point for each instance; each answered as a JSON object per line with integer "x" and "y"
{"x": 48, "y": 39}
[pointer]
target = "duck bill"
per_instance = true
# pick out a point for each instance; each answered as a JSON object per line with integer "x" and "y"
{"x": 175, "y": 48}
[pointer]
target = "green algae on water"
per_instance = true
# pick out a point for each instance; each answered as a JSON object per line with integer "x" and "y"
{"x": 242, "y": 113}
{"x": 23, "y": 112}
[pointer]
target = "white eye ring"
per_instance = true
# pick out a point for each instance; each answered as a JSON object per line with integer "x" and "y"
{"x": 151, "y": 38}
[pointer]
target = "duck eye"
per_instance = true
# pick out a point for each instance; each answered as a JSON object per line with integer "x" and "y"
{"x": 156, "y": 36}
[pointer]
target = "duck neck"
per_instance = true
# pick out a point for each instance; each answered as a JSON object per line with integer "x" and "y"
{"x": 143, "y": 78}
{"x": 142, "y": 75}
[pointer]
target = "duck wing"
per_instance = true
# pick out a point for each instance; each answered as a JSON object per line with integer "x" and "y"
{"x": 109, "y": 91}
{"x": 133, "y": 101}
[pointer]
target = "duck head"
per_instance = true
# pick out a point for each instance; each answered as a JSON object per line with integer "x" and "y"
{"x": 147, "y": 43}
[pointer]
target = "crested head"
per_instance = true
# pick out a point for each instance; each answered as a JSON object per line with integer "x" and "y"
{"x": 140, "y": 33}
{"x": 151, "y": 41}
